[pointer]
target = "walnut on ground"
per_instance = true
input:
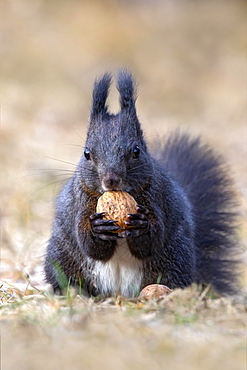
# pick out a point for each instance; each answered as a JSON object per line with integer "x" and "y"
{"x": 154, "y": 291}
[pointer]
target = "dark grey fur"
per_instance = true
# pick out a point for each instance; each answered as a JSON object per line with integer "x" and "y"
{"x": 185, "y": 231}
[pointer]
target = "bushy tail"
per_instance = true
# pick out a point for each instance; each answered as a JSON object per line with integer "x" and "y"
{"x": 203, "y": 176}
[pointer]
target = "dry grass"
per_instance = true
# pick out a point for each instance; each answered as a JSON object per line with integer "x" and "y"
{"x": 189, "y": 59}
{"x": 183, "y": 329}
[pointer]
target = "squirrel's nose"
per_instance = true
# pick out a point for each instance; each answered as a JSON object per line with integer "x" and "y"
{"x": 111, "y": 181}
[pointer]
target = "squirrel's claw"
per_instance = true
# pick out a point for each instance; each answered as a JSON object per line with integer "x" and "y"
{"x": 142, "y": 209}
{"x": 138, "y": 222}
{"x": 104, "y": 229}
{"x": 96, "y": 216}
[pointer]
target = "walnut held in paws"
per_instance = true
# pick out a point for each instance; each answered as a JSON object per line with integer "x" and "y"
{"x": 117, "y": 205}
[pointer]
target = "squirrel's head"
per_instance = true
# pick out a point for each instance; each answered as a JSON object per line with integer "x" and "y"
{"x": 115, "y": 155}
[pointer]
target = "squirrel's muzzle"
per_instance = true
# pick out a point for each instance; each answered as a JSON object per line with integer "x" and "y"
{"x": 111, "y": 181}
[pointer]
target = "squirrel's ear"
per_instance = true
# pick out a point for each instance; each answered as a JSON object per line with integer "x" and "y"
{"x": 100, "y": 93}
{"x": 127, "y": 90}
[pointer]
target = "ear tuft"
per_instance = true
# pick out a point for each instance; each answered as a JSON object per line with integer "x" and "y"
{"x": 100, "y": 94}
{"x": 127, "y": 89}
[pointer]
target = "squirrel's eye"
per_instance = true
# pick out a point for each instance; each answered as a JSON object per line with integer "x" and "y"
{"x": 136, "y": 151}
{"x": 87, "y": 154}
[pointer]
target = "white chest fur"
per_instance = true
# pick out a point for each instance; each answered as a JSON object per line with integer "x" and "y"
{"x": 121, "y": 275}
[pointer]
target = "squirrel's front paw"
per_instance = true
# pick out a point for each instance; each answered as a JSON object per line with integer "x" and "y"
{"x": 138, "y": 222}
{"x": 104, "y": 229}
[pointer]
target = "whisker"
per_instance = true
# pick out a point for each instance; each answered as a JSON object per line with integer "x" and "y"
{"x": 80, "y": 146}
{"x": 83, "y": 139}
{"x": 139, "y": 174}
{"x": 130, "y": 170}
{"x": 59, "y": 160}
{"x": 51, "y": 172}
{"x": 43, "y": 170}
{"x": 51, "y": 183}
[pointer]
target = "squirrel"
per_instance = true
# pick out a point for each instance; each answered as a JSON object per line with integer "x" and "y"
{"x": 184, "y": 230}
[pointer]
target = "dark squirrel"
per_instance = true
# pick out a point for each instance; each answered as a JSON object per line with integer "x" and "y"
{"x": 185, "y": 225}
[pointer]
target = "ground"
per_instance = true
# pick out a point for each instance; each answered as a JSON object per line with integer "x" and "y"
{"x": 189, "y": 59}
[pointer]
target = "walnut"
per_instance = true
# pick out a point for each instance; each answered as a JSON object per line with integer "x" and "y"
{"x": 117, "y": 205}
{"x": 154, "y": 291}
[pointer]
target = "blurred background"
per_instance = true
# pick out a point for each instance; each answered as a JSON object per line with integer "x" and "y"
{"x": 188, "y": 57}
